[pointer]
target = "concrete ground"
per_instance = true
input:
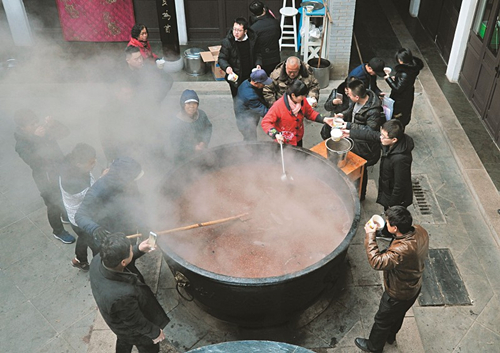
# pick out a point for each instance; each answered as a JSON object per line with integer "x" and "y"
{"x": 47, "y": 306}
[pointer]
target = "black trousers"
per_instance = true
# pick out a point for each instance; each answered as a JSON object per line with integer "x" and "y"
{"x": 126, "y": 347}
{"x": 83, "y": 242}
{"x": 55, "y": 209}
{"x": 388, "y": 319}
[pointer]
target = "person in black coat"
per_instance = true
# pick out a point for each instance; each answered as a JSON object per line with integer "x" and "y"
{"x": 113, "y": 203}
{"x": 268, "y": 31}
{"x": 238, "y": 54}
{"x": 125, "y": 302}
{"x": 189, "y": 131}
{"x": 36, "y": 144}
{"x": 403, "y": 84}
{"x": 365, "y": 113}
{"x": 395, "y": 187}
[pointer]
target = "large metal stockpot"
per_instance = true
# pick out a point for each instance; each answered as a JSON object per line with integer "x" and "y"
{"x": 257, "y": 301}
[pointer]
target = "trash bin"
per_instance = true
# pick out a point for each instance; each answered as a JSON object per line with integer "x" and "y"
{"x": 193, "y": 64}
{"x": 322, "y": 73}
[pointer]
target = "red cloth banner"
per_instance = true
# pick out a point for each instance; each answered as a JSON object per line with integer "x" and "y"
{"x": 96, "y": 20}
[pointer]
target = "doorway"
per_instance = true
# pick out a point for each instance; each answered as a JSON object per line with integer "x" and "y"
{"x": 212, "y": 19}
{"x": 480, "y": 73}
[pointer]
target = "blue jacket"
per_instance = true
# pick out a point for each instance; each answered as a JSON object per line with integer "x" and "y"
{"x": 114, "y": 202}
{"x": 250, "y": 102}
{"x": 369, "y": 81}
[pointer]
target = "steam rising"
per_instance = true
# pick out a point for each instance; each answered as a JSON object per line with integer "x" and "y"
{"x": 83, "y": 85}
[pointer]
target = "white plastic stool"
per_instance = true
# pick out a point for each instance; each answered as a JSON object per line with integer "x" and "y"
{"x": 288, "y": 31}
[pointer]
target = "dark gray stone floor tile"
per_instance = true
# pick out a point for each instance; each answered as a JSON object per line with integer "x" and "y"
{"x": 48, "y": 268}
{"x": 479, "y": 339}
{"x": 369, "y": 300}
{"x": 12, "y": 297}
{"x": 184, "y": 330}
{"x": 8, "y": 213}
{"x": 476, "y": 282}
{"x": 362, "y": 273}
{"x": 21, "y": 239}
{"x": 78, "y": 334}
{"x": 39, "y": 219}
{"x": 60, "y": 312}
{"x": 59, "y": 345}
{"x": 479, "y": 232}
{"x": 25, "y": 196}
{"x": 434, "y": 323}
{"x": 26, "y": 319}
{"x": 490, "y": 317}
{"x": 489, "y": 257}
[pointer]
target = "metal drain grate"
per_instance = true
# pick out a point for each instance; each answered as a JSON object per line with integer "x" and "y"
{"x": 427, "y": 209}
{"x": 441, "y": 282}
{"x": 419, "y": 196}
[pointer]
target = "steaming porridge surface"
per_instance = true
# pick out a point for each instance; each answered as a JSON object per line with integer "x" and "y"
{"x": 291, "y": 226}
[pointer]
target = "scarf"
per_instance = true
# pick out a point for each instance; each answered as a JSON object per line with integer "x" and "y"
{"x": 295, "y": 107}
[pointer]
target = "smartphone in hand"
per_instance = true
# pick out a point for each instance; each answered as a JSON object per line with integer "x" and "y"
{"x": 152, "y": 240}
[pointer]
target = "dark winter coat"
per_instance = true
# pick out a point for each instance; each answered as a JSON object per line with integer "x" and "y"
{"x": 329, "y": 106}
{"x": 394, "y": 185}
{"x": 280, "y": 117}
{"x": 229, "y": 55}
{"x": 185, "y": 134}
{"x": 370, "y": 81}
{"x": 43, "y": 155}
{"x": 268, "y": 32}
{"x": 403, "y": 89}
{"x": 114, "y": 201}
{"x": 281, "y": 81}
{"x": 370, "y": 117}
{"x": 128, "y": 306}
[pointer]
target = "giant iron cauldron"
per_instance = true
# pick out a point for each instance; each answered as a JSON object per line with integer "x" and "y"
{"x": 266, "y": 300}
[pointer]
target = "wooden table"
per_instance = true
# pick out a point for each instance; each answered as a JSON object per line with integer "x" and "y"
{"x": 354, "y": 167}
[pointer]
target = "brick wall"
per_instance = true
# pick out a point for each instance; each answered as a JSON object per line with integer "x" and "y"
{"x": 340, "y": 39}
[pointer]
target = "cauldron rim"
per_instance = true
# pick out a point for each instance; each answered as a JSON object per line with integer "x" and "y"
{"x": 260, "y": 281}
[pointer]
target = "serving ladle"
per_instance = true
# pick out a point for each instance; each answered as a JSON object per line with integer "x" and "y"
{"x": 284, "y": 177}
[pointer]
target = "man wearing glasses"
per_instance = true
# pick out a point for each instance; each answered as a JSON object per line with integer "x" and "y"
{"x": 394, "y": 184}
{"x": 237, "y": 55}
{"x": 366, "y": 114}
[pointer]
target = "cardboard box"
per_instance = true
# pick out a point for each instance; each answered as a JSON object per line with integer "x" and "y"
{"x": 211, "y": 57}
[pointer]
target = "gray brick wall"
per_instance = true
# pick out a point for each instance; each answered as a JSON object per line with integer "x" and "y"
{"x": 340, "y": 38}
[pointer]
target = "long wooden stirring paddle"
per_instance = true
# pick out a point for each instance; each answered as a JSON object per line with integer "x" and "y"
{"x": 243, "y": 217}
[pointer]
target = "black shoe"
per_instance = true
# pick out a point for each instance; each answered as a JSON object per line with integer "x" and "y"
{"x": 391, "y": 339}
{"x": 365, "y": 345}
{"x": 84, "y": 266}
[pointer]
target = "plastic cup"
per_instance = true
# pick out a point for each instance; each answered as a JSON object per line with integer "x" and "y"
{"x": 309, "y": 8}
{"x": 336, "y": 134}
{"x": 376, "y": 222}
{"x": 160, "y": 63}
{"x": 387, "y": 70}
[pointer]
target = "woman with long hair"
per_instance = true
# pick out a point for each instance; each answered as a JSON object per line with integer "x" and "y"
{"x": 403, "y": 84}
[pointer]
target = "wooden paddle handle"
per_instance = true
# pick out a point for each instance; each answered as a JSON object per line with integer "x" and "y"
{"x": 192, "y": 226}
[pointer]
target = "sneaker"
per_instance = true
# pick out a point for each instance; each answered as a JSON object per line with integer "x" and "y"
{"x": 65, "y": 237}
{"x": 84, "y": 266}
